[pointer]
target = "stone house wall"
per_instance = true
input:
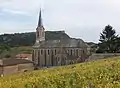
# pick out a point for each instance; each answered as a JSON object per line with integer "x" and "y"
{"x": 48, "y": 56}
{"x": 1, "y": 70}
{"x": 25, "y": 67}
{"x": 7, "y": 70}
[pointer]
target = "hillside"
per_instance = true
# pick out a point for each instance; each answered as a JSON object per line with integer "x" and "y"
{"x": 100, "y": 74}
{"x": 13, "y": 51}
{"x": 28, "y": 39}
{"x": 12, "y": 44}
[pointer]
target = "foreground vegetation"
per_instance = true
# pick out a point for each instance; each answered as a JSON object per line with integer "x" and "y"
{"x": 100, "y": 74}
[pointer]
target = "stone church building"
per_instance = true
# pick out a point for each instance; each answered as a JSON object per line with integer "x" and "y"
{"x": 47, "y": 53}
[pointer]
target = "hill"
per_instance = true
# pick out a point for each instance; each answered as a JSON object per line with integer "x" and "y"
{"x": 28, "y": 39}
{"x": 12, "y": 44}
{"x": 13, "y": 51}
{"x": 100, "y": 74}
{"x": 93, "y": 46}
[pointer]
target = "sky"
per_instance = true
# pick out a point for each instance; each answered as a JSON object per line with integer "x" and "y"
{"x": 83, "y": 19}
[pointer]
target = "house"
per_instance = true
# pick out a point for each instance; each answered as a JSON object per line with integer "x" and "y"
{"x": 12, "y": 66}
{"x": 24, "y": 56}
{"x": 47, "y": 53}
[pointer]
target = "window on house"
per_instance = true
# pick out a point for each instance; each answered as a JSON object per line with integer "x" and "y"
{"x": 83, "y": 51}
{"x": 41, "y": 52}
{"x": 48, "y": 52}
{"x": 71, "y": 52}
{"x": 55, "y": 51}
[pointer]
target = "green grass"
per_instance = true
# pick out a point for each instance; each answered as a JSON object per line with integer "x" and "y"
{"x": 101, "y": 74}
{"x": 16, "y": 50}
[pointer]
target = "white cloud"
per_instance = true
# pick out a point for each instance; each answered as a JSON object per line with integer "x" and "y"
{"x": 77, "y": 17}
{"x": 14, "y": 27}
{"x": 15, "y": 12}
{"x": 25, "y": 5}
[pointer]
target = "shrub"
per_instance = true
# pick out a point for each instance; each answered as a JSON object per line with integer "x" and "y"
{"x": 99, "y": 74}
{"x": 7, "y": 56}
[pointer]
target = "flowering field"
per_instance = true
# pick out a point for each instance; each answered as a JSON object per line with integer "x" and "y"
{"x": 99, "y": 74}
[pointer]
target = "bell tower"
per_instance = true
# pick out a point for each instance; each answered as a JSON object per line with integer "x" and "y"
{"x": 40, "y": 30}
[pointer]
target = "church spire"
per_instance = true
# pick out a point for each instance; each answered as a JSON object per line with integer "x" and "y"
{"x": 40, "y": 19}
{"x": 40, "y": 31}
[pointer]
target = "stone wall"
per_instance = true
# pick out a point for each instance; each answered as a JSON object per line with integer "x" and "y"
{"x": 102, "y": 56}
{"x": 25, "y": 67}
{"x": 1, "y": 70}
{"x": 51, "y": 56}
{"x": 7, "y": 70}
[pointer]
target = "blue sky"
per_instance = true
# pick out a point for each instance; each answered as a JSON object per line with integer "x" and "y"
{"x": 79, "y": 18}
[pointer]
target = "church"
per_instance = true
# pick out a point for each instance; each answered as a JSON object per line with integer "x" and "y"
{"x": 48, "y": 53}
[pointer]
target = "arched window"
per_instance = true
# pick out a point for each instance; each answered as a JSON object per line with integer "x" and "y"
{"x": 77, "y": 52}
{"x": 37, "y": 33}
{"x": 41, "y": 52}
{"x": 71, "y": 52}
{"x": 55, "y": 51}
{"x": 48, "y": 52}
{"x": 83, "y": 52}
{"x": 74, "y": 52}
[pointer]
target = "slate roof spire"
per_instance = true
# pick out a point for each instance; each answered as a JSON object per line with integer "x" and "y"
{"x": 40, "y": 19}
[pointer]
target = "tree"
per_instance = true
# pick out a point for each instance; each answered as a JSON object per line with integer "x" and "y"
{"x": 116, "y": 45}
{"x": 4, "y": 47}
{"x": 107, "y": 34}
{"x": 7, "y": 56}
{"x": 109, "y": 40}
